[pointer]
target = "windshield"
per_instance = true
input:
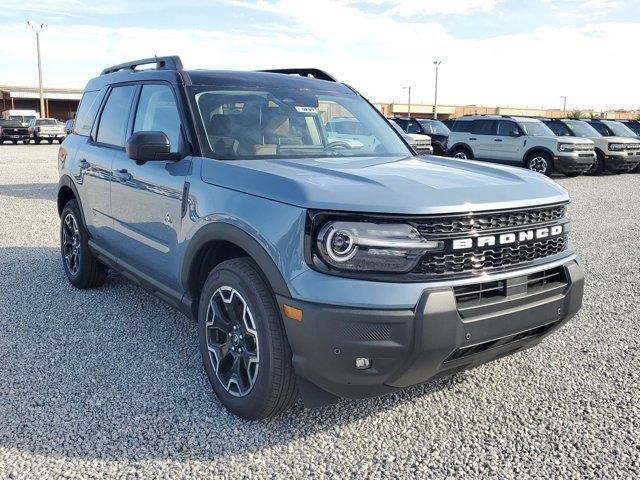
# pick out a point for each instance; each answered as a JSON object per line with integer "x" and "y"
{"x": 619, "y": 129}
{"x": 10, "y": 123}
{"x": 634, "y": 127}
{"x": 290, "y": 123}
{"x": 435, "y": 127}
{"x": 581, "y": 129}
{"x": 536, "y": 129}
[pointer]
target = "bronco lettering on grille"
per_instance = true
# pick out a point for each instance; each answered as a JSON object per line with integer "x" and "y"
{"x": 507, "y": 238}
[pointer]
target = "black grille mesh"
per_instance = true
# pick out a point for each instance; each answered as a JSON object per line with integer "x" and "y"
{"x": 480, "y": 261}
{"x": 489, "y": 221}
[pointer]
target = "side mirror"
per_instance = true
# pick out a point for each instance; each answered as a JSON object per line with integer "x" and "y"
{"x": 149, "y": 147}
{"x": 515, "y": 133}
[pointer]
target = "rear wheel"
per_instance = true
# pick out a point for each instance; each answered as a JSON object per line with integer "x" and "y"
{"x": 572, "y": 174}
{"x": 37, "y": 141}
{"x": 50, "y": 141}
{"x": 15, "y": 142}
{"x": 540, "y": 162}
{"x": 82, "y": 267}
{"x": 243, "y": 343}
{"x": 462, "y": 153}
{"x": 26, "y": 142}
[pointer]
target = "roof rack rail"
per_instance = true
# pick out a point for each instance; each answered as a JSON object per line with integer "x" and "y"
{"x": 303, "y": 72}
{"x": 172, "y": 62}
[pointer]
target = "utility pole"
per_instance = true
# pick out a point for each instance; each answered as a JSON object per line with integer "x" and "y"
{"x": 37, "y": 29}
{"x": 435, "y": 99}
{"x": 564, "y": 108}
{"x": 409, "y": 102}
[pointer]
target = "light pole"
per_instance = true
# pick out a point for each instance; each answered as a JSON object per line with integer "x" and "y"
{"x": 565, "y": 104}
{"x": 409, "y": 102}
{"x": 37, "y": 29}
{"x": 435, "y": 99}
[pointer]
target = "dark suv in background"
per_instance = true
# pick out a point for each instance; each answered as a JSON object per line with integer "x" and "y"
{"x": 437, "y": 130}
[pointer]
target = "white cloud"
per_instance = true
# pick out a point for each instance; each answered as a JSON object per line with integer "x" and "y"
{"x": 410, "y": 8}
{"x": 377, "y": 54}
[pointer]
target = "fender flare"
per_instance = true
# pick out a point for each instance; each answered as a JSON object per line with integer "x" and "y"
{"x": 459, "y": 145}
{"x": 66, "y": 181}
{"x": 237, "y": 236}
{"x": 536, "y": 148}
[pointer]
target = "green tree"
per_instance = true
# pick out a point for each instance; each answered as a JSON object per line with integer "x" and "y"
{"x": 575, "y": 114}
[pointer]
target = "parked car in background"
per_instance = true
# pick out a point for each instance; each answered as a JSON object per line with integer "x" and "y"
{"x": 350, "y": 131}
{"x": 437, "y": 130}
{"x": 520, "y": 141}
{"x": 313, "y": 269}
{"x": 46, "y": 129}
{"x": 420, "y": 143}
{"x": 68, "y": 127}
{"x": 613, "y": 154}
{"x": 449, "y": 122}
{"x": 633, "y": 125}
{"x": 13, "y": 131}
{"x": 23, "y": 116}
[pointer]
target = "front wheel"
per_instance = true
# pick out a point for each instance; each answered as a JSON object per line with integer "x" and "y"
{"x": 572, "y": 174}
{"x": 597, "y": 168}
{"x": 82, "y": 268}
{"x": 243, "y": 343}
{"x": 37, "y": 141}
{"x": 26, "y": 142}
{"x": 541, "y": 163}
{"x": 50, "y": 141}
{"x": 15, "y": 142}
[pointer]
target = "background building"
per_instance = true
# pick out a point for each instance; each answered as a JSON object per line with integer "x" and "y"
{"x": 59, "y": 103}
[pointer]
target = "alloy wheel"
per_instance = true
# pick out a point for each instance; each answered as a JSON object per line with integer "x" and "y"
{"x": 539, "y": 164}
{"x": 232, "y": 341}
{"x": 461, "y": 155}
{"x": 71, "y": 243}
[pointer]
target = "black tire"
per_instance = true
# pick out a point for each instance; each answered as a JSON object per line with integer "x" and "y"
{"x": 85, "y": 271}
{"x": 15, "y": 142}
{"x": 462, "y": 153}
{"x": 37, "y": 141}
{"x": 270, "y": 388}
{"x": 26, "y": 142}
{"x": 50, "y": 141}
{"x": 540, "y": 162}
{"x": 572, "y": 174}
{"x": 598, "y": 167}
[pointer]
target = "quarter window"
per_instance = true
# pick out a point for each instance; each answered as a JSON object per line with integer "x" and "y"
{"x": 507, "y": 128}
{"x": 113, "y": 121}
{"x": 157, "y": 112}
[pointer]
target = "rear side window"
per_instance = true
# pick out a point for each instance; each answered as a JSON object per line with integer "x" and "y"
{"x": 157, "y": 112}
{"x": 601, "y": 128}
{"x": 507, "y": 128}
{"x": 484, "y": 127}
{"x": 87, "y": 112}
{"x": 462, "y": 126}
{"x": 113, "y": 121}
{"x": 559, "y": 128}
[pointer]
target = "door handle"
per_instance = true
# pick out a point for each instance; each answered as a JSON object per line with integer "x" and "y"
{"x": 122, "y": 175}
{"x": 472, "y": 138}
{"x": 497, "y": 139}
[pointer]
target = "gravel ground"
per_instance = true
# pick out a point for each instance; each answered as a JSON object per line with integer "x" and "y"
{"x": 108, "y": 383}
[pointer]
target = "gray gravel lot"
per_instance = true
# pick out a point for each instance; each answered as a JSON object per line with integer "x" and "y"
{"x": 108, "y": 383}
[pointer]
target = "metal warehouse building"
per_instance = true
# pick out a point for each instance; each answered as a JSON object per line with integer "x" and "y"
{"x": 59, "y": 103}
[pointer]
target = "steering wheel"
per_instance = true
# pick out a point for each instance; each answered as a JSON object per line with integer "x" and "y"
{"x": 338, "y": 144}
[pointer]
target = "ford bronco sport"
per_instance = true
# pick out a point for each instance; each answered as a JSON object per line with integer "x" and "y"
{"x": 520, "y": 141}
{"x": 314, "y": 268}
{"x": 613, "y": 154}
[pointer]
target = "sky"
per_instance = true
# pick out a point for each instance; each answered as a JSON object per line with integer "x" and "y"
{"x": 525, "y": 53}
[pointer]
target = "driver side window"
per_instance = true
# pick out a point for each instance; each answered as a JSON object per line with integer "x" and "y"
{"x": 157, "y": 112}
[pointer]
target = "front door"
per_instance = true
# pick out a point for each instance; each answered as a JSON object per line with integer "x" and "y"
{"x": 509, "y": 142}
{"x": 146, "y": 200}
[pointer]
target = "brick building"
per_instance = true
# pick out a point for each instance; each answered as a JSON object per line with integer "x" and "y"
{"x": 59, "y": 103}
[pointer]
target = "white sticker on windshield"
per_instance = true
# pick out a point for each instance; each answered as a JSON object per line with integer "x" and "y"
{"x": 306, "y": 109}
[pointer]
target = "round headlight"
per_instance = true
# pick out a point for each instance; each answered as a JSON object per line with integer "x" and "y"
{"x": 341, "y": 245}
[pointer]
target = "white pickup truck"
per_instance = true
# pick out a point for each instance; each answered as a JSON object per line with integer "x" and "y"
{"x": 46, "y": 129}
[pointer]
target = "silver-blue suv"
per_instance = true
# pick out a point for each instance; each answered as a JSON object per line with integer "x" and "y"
{"x": 315, "y": 267}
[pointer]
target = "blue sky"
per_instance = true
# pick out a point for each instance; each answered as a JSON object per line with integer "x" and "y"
{"x": 506, "y": 52}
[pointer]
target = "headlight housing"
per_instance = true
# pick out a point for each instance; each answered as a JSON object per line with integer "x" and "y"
{"x": 371, "y": 247}
{"x": 616, "y": 147}
{"x": 566, "y": 147}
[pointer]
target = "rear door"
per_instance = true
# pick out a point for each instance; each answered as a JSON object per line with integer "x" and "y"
{"x": 482, "y": 139}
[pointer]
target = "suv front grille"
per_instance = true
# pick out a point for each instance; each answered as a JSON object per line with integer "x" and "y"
{"x": 483, "y": 260}
{"x": 490, "y": 221}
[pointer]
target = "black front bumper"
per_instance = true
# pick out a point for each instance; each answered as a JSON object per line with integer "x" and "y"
{"x": 443, "y": 334}
{"x": 621, "y": 162}
{"x": 573, "y": 164}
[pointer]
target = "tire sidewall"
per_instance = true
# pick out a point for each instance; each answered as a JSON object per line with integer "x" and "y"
{"x": 262, "y": 309}
{"x": 84, "y": 263}
{"x": 461, "y": 150}
{"x": 547, "y": 158}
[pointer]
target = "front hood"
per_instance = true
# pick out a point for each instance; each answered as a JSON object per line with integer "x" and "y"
{"x": 419, "y": 137}
{"x": 406, "y": 185}
{"x": 621, "y": 139}
{"x": 574, "y": 140}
